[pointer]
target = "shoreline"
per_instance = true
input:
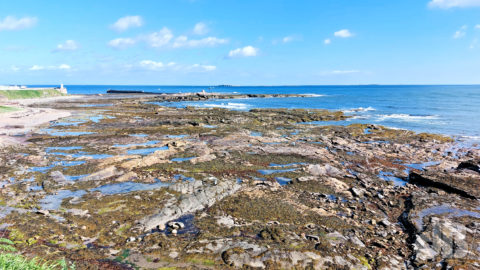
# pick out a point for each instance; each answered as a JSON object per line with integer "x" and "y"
{"x": 195, "y": 187}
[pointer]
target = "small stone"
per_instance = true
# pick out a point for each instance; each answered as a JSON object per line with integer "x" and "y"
{"x": 385, "y": 223}
{"x": 43, "y": 212}
{"x": 174, "y": 232}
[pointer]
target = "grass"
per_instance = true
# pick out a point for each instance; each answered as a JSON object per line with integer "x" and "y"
{"x": 9, "y": 260}
{"x": 22, "y": 94}
{"x": 5, "y": 109}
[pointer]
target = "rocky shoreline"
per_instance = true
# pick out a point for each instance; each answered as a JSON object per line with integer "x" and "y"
{"x": 123, "y": 183}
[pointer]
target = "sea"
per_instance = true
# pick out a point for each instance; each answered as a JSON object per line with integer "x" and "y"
{"x": 452, "y": 110}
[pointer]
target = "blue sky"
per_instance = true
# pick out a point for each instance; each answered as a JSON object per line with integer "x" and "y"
{"x": 248, "y": 42}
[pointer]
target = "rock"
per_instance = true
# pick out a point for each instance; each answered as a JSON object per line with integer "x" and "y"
{"x": 176, "y": 225}
{"x": 445, "y": 238}
{"x": 313, "y": 238}
{"x": 385, "y": 222}
{"x": 463, "y": 184}
{"x": 102, "y": 174}
{"x": 58, "y": 177}
{"x": 469, "y": 165}
{"x": 327, "y": 169}
{"x": 43, "y": 212}
{"x": 357, "y": 192}
{"x": 226, "y": 221}
{"x": 203, "y": 158}
{"x": 201, "y": 197}
{"x": 127, "y": 177}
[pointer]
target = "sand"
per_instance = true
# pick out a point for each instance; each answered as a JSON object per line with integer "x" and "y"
{"x": 14, "y": 126}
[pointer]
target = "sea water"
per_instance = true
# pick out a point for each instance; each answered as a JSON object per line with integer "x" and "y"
{"x": 444, "y": 109}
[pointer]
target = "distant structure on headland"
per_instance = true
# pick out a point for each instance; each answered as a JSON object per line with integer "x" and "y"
{"x": 61, "y": 89}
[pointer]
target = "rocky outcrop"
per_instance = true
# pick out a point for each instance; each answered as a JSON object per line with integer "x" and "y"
{"x": 197, "y": 197}
{"x": 463, "y": 184}
{"x": 444, "y": 239}
{"x": 102, "y": 174}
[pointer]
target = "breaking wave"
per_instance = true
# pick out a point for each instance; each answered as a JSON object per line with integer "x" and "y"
{"x": 229, "y": 105}
{"x": 406, "y": 117}
{"x": 359, "y": 109}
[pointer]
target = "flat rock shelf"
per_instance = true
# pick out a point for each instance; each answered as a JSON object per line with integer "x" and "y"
{"x": 121, "y": 182}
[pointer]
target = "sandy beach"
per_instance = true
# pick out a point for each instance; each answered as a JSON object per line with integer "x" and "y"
{"x": 15, "y": 126}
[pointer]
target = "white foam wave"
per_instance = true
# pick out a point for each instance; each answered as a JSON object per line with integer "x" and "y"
{"x": 360, "y": 109}
{"x": 406, "y": 117}
{"x": 229, "y": 105}
{"x": 314, "y": 95}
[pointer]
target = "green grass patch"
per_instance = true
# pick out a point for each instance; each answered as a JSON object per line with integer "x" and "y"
{"x": 5, "y": 109}
{"x": 12, "y": 261}
{"x": 22, "y": 94}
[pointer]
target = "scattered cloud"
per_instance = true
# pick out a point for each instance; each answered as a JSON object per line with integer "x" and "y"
{"x": 69, "y": 45}
{"x": 59, "y": 67}
{"x": 288, "y": 39}
{"x": 37, "y": 67}
{"x": 159, "y": 39}
{"x": 246, "y": 51}
{"x": 11, "y": 23}
{"x": 121, "y": 43}
{"x": 14, "y": 68}
{"x": 160, "y": 66}
{"x": 446, "y": 4}
{"x": 64, "y": 66}
{"x": 164, "y": 38}
{"x": 200, "y": 29}
{"x": 327, "y": 41}
{"x": 340, "y": 72}
{"x": 183, "y": 41}
{"x": 460, "y": 33}
{"x": 152, "y": 65}
{"x": 127, "y": 22}
{"x": 197, "y": 67}
{"x": 344, "y": 33}
{"x": 477, "y": 26}
{"x": 474, "y": 44}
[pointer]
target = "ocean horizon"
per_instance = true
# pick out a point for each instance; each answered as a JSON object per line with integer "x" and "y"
{"x": 444, "y": 109}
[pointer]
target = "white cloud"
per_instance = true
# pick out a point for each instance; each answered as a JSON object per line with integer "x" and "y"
{"x": 197, "y": 67}
{"x": 453, "y": 3}
{"x": 200, "y": 29}
{"x": 474, "y": 44}
{"x": 127, "y": 22}
{"x": 159, "y": 66}
{"x": 59, "y": 67}
{"x": 340, "y": 72}
{"x": 160, "y": 38}
{"x": 477, "y": 26}
{"x": 344, "y": 33}
{"x": 121, "y": 43}
{"x": 460, "y": 32}
{"x": 37, "y": 67}
{"x": 69, "y": 45}
{"x": 244, "y": 52}
{"x": 14, "y": 68}
{"x": 327, "y": 41}
{"x": 152, "y": 65}
{"x": 12, "y": 23}
{"x": 183, "y": 41}
{"x": 64, "y": 67}
{"x": 287, "y": 39}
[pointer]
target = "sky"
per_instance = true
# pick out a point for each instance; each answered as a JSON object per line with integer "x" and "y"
{"x": 248, "y": 42}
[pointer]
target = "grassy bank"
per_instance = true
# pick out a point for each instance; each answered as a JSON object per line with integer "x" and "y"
{"x": 5, "y": 109}
{"x": 10, "y": 260}
{"x": 22, "y": 94}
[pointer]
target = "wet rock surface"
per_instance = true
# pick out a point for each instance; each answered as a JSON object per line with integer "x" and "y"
{"x": 123, "y": 183}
